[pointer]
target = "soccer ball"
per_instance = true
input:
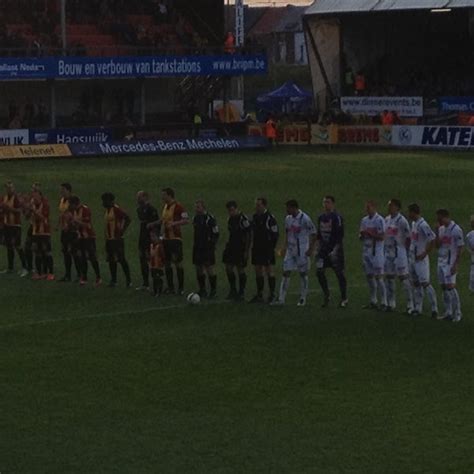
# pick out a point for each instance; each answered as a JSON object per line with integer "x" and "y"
{"x": 194, "y": 298}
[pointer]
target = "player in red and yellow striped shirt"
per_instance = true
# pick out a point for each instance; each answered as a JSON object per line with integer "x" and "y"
{"x": 12, "y": 210}
{"x": 157, "y": 263}
{"x": 173, "y": 217}
{"x": 117, "y": 222}
{"x": 68, "y": 233}
{"x": 41, "y": 237}
{"x": 84, "y": 249}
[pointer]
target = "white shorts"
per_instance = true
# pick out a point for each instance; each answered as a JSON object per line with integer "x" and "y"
{"x": 397, "y": 265}
{"x": 373, "y": 264}
{"x": 444, "y": 275}
{"x": 420, "y": 271}
{"x": 294, "y": 263}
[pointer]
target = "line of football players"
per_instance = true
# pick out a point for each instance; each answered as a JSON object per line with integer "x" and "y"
{"x": 392, "y": 248}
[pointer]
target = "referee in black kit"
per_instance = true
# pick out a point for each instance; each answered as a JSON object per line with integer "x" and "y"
{"x": 264, "y": 241}
{"x": 149, "y": 221}
{"x": 237, "y": 249}
{"x": 206, "y": 235}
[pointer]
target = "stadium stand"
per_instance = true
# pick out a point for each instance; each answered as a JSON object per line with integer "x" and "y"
{"x": 102, "y": 28}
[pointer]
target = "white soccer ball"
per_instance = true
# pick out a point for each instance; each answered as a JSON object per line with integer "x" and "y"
{"x": 194, "y": 298}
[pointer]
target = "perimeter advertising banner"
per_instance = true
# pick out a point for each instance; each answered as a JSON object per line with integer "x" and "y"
{"x": 29, "y": 152}
{"x": 372, "y": 106}
{"x": 323, "y": 134}
{"x": 137, "y": 147}
{"x": 364, "y": 135}
{"x": 290, "y": 134}
{"x": 456, "y": 104}
{"x": 161, "y": 147}
{"x": 70, "y": 135}
{"x": 132, "y": 67}
{"x": 433, "y": 136}
{"x": 14, "y": 137}
{"x": 302, "y": 134}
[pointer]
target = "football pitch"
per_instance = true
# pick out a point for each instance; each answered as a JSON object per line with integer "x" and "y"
{"x": 112, "y": 380}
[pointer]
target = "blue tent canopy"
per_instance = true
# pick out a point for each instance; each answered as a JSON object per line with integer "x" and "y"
{"x": 288, "y": 97}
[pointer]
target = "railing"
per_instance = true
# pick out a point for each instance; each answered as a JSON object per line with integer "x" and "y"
{"x": 78, "y": 50}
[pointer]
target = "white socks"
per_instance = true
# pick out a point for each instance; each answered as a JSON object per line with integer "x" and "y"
{"x": 304, "y": 286}
{"x": 382, "y": 291}
{"x": 285, "y": 283}
{"x": 418, "y": 295}
{"x": 408, "y": 289}
{"x": 456, "y": 303}
{"x": 432, "y": 298}
{"x": 390, "y": 284}
{"x": 372, "y": 289}
{"x": 448, "y": 306}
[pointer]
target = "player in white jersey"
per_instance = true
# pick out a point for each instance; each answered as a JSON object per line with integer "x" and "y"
{"x": 300, "y": 242}
{"x": 421, "y": 244}
{"x": 470, "y": 247}
{"x": 372, "y": 235}
{"x": 396, "y": 244}
{"x": 450, "y": 243}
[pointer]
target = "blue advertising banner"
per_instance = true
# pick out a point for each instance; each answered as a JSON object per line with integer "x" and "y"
{"x": 433, "y": 136}
{"x": 456, "y": 104}
{"x": 162, "y": 147}
{"x": 130, "y": 67}
{"x": 66, "y": 136}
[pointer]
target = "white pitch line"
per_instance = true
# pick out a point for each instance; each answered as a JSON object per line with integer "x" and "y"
{"x": 120, "y": 313}
{"x": 92, "y": 316}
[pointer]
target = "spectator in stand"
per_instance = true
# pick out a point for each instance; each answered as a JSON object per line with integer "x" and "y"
{"x": 197, "y": 124}
{"x": 229, "y": 43}
{"x": 271, "y": 131}
{"x": 28, "y": 113}
{"x": 161, "y": 11}
{"x": 349, "y": 81}
{"x": 360, "y": 84}
{"x": 387, "y": 118}
{"x": 15, "y": 122}
{"x": 471, "y": 121}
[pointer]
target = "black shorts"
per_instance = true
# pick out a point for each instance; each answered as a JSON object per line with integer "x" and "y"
{"x": 86, "y": 248}
{"x": 335, "y": 260}
{"x": 234, "y": 256}
{"x": 263, "y": 257}
{"x": 173, "y": 251}
{"x": 144, "y": 249}
{"x": 2, "y": 236}
{"x": 157, "y": 272}
{"x": 115, "y": 250}
{"x": 41, "y": 243}
{"x": 12, "y": 236}
{"x": 68, "y": 241}
{"x": 204, "y": 257}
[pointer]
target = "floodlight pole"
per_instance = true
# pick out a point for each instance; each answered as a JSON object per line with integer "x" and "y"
{"x": 52, "y": 103}
{"x": 142, "y": 102}
{"x": 239, "y": 7}
{"x": 63, "y": 27}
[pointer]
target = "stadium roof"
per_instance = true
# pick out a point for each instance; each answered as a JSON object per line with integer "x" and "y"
{"x": 325, "y": 7}
{"x": 268, "y": 22}
{"x": 292, "y": 20}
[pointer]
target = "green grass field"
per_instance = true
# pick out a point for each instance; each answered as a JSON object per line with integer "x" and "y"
{"x": 113, "y": 381}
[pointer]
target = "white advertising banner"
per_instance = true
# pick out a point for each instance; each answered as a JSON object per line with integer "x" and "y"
{"x": 239, "y": 23}
{"x": 404, "y": 106}
{"x": 433, "y": 136}
{"x": 14, "y": 137}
